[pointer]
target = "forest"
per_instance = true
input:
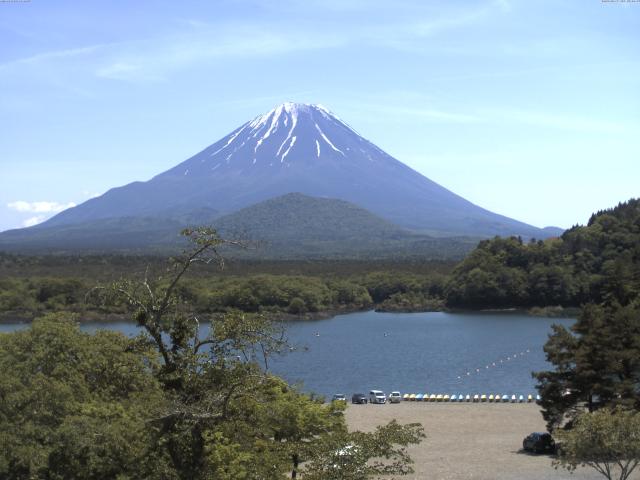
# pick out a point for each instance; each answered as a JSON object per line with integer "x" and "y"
{"x": 589, "y": 263}
{"x": 586, "y": 264}
{"x": 31, "y": 286}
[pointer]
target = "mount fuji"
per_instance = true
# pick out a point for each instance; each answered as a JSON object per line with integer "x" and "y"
{"x": 294, "y": 148}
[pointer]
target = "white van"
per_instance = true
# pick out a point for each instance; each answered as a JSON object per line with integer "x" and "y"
{"x": 377, "y": 396}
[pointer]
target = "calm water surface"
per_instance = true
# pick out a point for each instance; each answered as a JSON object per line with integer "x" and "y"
{"x": 414, "y": 352}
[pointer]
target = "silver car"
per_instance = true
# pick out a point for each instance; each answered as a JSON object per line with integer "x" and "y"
{"x": 377, "y": 396}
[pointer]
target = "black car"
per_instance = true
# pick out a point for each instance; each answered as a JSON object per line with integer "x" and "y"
{"x": 358, "y": 398}
{"x": 539, "y": 442}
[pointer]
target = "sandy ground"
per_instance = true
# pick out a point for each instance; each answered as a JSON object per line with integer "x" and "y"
{"x": 469, "y": 441}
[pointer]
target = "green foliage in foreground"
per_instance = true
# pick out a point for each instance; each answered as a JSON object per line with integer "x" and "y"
{"x": 598, "y": 360}
{"x": 592, "y": 263}
{"x": 75, "y": 405}
{"x": 171, "y": 404}
{"x": 607, "y": 441}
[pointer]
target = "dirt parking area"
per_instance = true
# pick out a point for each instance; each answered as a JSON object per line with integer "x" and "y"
{"x": 469, "y": 441}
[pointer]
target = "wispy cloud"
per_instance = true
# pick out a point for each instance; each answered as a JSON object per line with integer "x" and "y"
{"x": 155, "y": 59}
{"x": 39, "y": 207}
{"x": 52, "y": 55}
{"x": 432, "y": 114}
{"x": 197, "y": 42}
{"x": 561, "y": 121}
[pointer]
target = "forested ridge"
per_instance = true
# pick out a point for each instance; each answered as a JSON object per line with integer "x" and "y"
{"x": 586, "y": 264}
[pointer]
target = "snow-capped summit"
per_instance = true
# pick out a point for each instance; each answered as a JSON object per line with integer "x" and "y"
{"x": 297, "y": 147}
{"x": 290, "y": 132}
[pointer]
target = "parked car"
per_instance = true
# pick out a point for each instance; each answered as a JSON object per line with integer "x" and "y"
{"x": 339, "y": 397}
{"x": 377, "y": 396}
{"x": 539, "y": 442}
{"x": 358, "y": 398}
{"x": 396, "y": 397}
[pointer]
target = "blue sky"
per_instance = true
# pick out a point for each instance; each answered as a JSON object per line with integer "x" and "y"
{"x": 528, "y": 108}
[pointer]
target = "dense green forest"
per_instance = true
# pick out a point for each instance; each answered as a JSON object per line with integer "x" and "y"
{"x": 30, "y": 286}
{"x": 586, "y": 264}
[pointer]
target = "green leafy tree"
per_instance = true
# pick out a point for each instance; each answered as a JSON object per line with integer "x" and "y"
{"x": 607, "y": 441}
{"x": 74, "y": 405}
{"x": 360, "y": 455}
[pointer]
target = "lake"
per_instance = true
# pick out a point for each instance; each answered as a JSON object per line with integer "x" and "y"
{"x": 435, "y": 352}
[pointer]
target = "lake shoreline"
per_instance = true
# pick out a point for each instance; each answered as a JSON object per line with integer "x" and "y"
{"x": 91, "y": 316}
{"x": 285, "y": 317}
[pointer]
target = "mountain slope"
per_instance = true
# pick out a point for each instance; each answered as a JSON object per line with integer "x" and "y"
{"x": 307, "y": 149}
{"x": 128, "y": 234}
{"x": 291, "y": 226}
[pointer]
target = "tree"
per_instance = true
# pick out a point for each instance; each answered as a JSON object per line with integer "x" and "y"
{"x": 74, "y": 405}
{"x": 597, "y": 363}
{"x": 360, "y": 455}
{"x": 228, "y": 418}
{"x": 607, "y": 441}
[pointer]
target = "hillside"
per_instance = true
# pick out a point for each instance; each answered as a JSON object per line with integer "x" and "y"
{"x": 298, "y": 226}
{"x": 292, "y": 226}
{"x": 599, "y": 262}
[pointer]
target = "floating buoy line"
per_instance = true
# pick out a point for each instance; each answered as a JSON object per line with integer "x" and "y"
{"x": 476, "y": 398}
{"x": 496, "y": 364}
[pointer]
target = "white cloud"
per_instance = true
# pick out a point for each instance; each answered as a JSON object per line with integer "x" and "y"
{"x": 39, "y": 207}
{"x": 31, "y": 221}
{"x": 90, "y": 194}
